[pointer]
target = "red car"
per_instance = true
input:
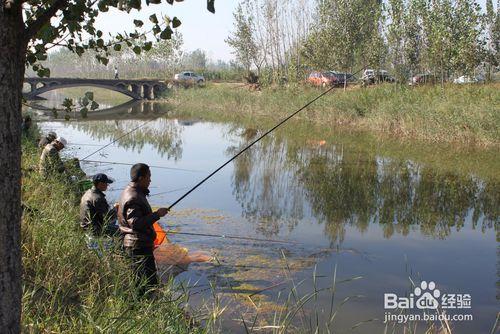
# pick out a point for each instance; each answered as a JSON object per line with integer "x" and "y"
{"x": 323, "y": 79}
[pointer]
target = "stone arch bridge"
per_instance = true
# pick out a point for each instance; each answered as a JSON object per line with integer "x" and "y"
{"x": 136, "y": 89}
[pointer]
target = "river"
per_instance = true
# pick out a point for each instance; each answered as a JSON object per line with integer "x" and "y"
{"x": 364, "y": 219}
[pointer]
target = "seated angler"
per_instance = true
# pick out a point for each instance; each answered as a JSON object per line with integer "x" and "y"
{"x": 96, "y": 216}
{"x": 50, "y": 160}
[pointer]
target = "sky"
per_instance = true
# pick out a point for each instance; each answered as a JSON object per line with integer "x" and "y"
{"x": 200, "y": 28}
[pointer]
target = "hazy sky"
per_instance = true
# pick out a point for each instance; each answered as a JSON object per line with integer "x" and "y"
{"x": 200, "y": 28}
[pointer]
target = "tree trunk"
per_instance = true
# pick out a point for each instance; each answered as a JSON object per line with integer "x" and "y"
{"x": 12, "y": 62}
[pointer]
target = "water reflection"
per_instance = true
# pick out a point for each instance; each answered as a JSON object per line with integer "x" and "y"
{"x": 165, "y": 136}
{"x": 275, "y": 185}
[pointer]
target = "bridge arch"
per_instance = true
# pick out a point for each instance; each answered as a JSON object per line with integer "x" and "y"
{"x": 136, "y": 89}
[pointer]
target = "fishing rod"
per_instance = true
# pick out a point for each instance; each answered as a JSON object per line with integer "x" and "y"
{"x": 129, "y": 164}
{"x": 255, "y": 141}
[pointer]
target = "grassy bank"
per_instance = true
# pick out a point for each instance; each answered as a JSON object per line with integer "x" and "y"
{"x": 467, "y": 114}
{"x": 68, "y": 288}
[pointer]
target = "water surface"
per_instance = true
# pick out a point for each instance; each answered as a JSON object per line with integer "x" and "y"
{"x": 354, "y": 207}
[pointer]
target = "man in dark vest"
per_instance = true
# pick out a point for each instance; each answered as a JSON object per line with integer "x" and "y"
{"x": 135, "y": 220}
{"x": 96, "y": 216}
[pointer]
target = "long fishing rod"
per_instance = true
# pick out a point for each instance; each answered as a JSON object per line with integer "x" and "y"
{"x": 129, "y": 164}
{"x": 254, "y": 142}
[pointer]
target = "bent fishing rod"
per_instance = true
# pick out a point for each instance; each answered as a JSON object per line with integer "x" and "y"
{"x": 255, "y": 141}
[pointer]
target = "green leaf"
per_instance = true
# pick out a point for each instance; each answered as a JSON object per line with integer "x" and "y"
{"x": 102, "y": 5}
{"x": 156, "y": 29}
{"x": 79, "y": 50}
{"x": 153, "y": 19}
{"x": 166, "y": 33}
{"x": 100, "y": 42}
{"x": 147, "y": 46}
{"x": 84, "y": 102}
{"x": 84, "y": 112}
{"x": 136, "y": 4}
{"x": 68, "y": 103}
{"x": 211, "y": 6}
{"x": 41, "y": 56}
{"x": 137, "y": 50}
{"x": 43, "y": 72}
{"x": 31, "y": 58}
{"x": 117, "y": 47}
{"x": 176, "y": 22}
{"x": 99, "y": 33}
{"x": 94, "y": 105}
{"x": 89, "y": 95}
{"x": 138, "y": 23}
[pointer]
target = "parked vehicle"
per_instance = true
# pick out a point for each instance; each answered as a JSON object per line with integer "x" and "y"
{"x": 371, "y": 77}
{"x": 189, "y": 77}
{"x": 424, "y": 78}
{"x": 323, "y": 79}
{"x": 341, "y": 77}
{"x": 466, "y": 79}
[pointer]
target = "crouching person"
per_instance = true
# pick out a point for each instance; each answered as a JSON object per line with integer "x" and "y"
{"x": 135, "y": 220}
{"x": 96, "y": 216}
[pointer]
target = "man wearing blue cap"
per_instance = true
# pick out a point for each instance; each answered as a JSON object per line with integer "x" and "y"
{"x": 95, "y": 213}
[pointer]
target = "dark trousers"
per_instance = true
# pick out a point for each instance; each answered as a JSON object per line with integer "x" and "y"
{"x": 144, "y": 266}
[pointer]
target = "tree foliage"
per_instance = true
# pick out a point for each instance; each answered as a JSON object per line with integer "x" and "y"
{"x": 445, "y": 37}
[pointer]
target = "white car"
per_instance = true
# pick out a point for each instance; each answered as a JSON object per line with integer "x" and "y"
{"x": 189, "y": 77}
{"x": 465, "y": 79}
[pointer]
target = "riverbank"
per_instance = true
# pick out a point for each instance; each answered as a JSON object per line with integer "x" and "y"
{"x": 69, "y": 288}
{"x": 465, "y": 115}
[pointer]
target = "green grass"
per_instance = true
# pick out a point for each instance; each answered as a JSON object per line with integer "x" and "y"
{"x": 466, "y": 114}
{"x": 68, "y": 288}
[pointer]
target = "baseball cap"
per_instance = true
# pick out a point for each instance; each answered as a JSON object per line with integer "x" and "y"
{"x": 100, "y": 177}
{"x": 62, "y": 141}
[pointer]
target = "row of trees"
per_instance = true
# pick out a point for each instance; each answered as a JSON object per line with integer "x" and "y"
{"x": 163, "y": 60}
{"x": 288, "y": 38}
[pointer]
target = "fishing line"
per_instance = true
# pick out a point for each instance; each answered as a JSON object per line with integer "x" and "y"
{"x": 124, "y": 135}
{"x": 226, "y": 236}
{"x": 256, "y": 141}
{"x": 168, "y": 192}
{"x": 130, "y": 164}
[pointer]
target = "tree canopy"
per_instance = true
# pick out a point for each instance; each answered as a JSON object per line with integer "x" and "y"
{"x": 71, "y": 24}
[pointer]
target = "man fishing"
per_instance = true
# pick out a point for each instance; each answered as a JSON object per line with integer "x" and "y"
{"x": 50, "y": 161}
{"x": 135, "y": 220}
{"x": 96, "y": 217}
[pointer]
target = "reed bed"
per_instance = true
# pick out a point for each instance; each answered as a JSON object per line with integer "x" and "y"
{"x": 465, "y": 114}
